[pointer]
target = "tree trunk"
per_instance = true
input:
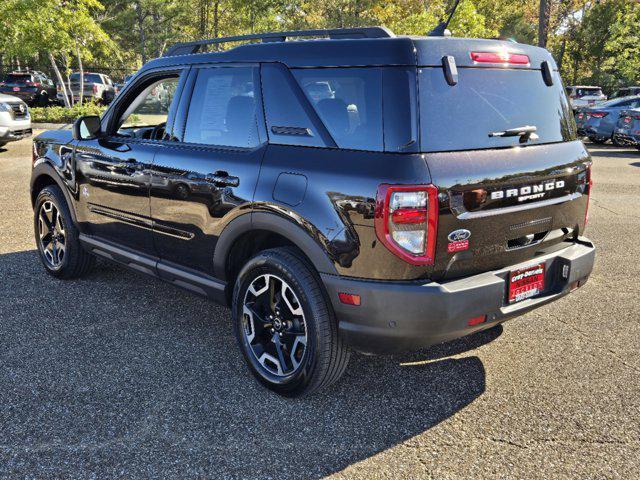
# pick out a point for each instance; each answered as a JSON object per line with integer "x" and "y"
{"x": 81, "y": 68}
{"x": 543, "y": 22}
{"x": 65, "y": 95}
{"x": 143, "y": 38}
{"x": 216, "y": 22}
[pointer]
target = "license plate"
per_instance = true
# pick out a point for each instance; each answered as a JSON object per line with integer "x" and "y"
{"x": 526, "y": 283}
{"x": 16, "y": 89}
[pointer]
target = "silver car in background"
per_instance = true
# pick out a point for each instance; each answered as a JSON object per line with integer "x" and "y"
{"x": 599, "y": 122}
{"x": 15, "y": 121}
{"x": 584, "y": 96}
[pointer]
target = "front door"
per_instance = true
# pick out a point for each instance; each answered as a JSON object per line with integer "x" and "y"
{"x": 208, "y": 178}
{"x": 113, "y": 170}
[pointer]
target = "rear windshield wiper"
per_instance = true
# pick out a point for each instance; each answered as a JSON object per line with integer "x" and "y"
{"x": 526, "y": 133}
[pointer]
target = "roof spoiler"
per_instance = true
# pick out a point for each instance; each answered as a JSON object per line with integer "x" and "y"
{"x": 187, "y": 48}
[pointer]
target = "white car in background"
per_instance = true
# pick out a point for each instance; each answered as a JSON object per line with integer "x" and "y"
{"x": 585, "y": 96}
{"x": 15, "y": 121}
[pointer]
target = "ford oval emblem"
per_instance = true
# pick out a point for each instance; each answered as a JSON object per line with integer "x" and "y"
{"x": 459, "y": 235}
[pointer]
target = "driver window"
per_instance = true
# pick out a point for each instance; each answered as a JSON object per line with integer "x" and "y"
{"x": 146, "y": 116}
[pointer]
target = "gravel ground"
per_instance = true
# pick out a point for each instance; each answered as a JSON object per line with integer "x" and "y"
{"x": 118, "y": 375}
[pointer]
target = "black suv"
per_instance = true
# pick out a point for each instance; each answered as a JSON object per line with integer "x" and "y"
{"x": 34, "y": 88}
{"x": 360, "y": 191}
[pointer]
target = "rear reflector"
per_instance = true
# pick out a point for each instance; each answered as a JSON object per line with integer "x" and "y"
{"x": 349, "y": 299}
{"x": 477, "y": 320}
{"x": 409, "y": 215}
{"x": 502, "y": 57}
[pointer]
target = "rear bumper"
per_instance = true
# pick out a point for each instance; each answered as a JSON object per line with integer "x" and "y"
{"x": 396, "y": 317}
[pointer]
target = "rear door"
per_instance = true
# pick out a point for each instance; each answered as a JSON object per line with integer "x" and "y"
{"x": 207, "y": 176}
{"x": 510, "y": 197}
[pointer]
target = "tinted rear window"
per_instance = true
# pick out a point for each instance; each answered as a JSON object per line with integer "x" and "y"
{"x": 349, "y": 103}
{"x": 20, "y": 79}
{"x": 461, "y": 117}
{"x": 365, "y": 108}
{"x": 88, "y": 78}
{"x": 582, "y": 92}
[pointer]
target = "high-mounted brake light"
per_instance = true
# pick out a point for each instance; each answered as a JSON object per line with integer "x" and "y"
{"x": 500, "y": 57}
{"x": 406, "y": 221}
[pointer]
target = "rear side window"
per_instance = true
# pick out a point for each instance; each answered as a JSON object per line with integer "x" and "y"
{"x": 223, "y": 106}
{"x": 349, "y": 103}
{"x": 485, "y": 101}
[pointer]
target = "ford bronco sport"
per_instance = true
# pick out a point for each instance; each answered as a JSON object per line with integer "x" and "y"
{"x": 354, "y": 191}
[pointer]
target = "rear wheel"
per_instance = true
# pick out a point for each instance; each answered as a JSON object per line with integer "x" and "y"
{"x": 597, "y": 141}
{"x": 57, "y": 236}
{"x": 285, "y": 326}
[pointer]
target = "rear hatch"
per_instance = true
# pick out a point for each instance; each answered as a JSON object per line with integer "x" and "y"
{"x": 16, "y": 84}
{"x": 90, "y": 79}
{"x": 503, "y": 199}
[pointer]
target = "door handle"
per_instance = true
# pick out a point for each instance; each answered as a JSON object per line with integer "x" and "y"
{"x": 222, "y": 179}
{"x": 128, "y": 163}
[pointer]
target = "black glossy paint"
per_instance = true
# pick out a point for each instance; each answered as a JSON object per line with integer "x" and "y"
{"x": 169, "y": 201}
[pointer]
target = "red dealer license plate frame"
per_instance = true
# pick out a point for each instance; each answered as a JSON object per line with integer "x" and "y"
{"x": 526, "y": 283}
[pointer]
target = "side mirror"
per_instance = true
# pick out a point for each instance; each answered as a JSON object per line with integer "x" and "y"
{"x": 86, "y": 128}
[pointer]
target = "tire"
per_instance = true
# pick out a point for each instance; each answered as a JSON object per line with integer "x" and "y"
{"x": 2, "y": 144}
{"x": 598, "y": 141}
{"x": 57, "y": 237}
{"x": 304, "y": 312}
{"x": 43, "y": 100}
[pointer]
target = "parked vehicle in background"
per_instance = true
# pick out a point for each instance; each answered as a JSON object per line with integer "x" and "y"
{"x": 15, "y": 121}
{"x": 120, "y": 85}
{"x": 599, "y": 122}
{"x": 628, "y": 128}
{"x": 354, "y": 191}
{"x": 626, "y": 92}
{"x": 98, "y": 88}
{"x": 34, "y": 88}
{"x": 584, "y": 96}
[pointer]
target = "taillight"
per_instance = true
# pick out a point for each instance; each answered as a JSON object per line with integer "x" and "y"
{"x": 598, "y": 114}
{"x": 635, "y": 117}
{"x": 500, "y": 57}
{"x": 406, "y": 221}
{"x": 589, "y": 186}
{"x": 95, "y": 88}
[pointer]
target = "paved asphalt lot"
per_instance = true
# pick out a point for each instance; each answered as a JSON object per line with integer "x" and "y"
{"x": 118, "y": 375}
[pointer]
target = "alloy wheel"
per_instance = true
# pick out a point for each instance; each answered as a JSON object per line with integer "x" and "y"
{"x": 52, "y": 234}
{"x": 274, "y": 326}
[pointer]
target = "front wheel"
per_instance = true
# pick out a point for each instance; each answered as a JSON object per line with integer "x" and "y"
{"x": 57, "y": 237}
{"x": 285, "y": 326}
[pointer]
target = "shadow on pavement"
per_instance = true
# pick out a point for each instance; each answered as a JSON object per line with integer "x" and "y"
{"x": 119, "y": 374}
{"x": 635, "y": 164}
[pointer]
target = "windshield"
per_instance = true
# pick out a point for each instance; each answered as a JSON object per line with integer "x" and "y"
{"x": 487, "y": 101}
{"x": 20, "y": 79}
{"x": 88, "y": 78}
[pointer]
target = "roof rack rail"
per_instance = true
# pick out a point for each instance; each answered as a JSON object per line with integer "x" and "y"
{"x": 187, "y": 48}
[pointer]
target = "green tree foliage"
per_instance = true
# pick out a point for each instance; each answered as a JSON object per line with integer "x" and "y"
{"x": 593, "y": 41}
